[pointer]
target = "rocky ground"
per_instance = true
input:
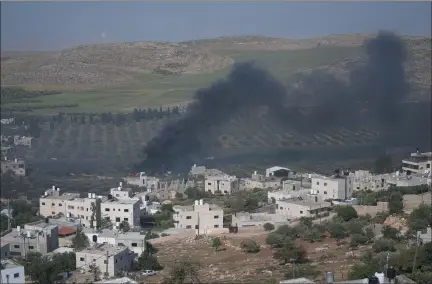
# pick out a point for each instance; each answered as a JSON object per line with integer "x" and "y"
{"x": 105, "y": 65}
{"x": 230, "y": 264}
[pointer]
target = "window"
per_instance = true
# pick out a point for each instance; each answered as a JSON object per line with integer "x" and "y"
{"x": 134, "y": 244}
{"x": 126, "y": 210}
{"x": 301, "y": 212}
{"x": 116, "y": 261}
{"x": 107, "y": 209}
{"x": 43, "y": 203}
{"x": 52, "y": 204}
{"x": 16, "y": 275}
{"x": 325, "y": 184}
{"x": 325, "y": 192}
{"x": 16, "y": 246}
{"x": 126, "y": 219}
{"x": 317, "y": 182}
{"x": 188, "y": 227}
{"x": 428, "y": 166}
{"x": 31, "y": 247}
{"x": 216, "y": 216}
{"x": 281, "y": 208}
{"x": 53, "y": 213}
{"x": 86, "y": 209}
{"x": 105, "y": 262}
{"x": 117, "y": 219}
{"x": 81, "y": 258}
{"x": 209, "y": 183}
{"x": 60, "y": 204}
{"x": 216, "y": 226}
{"x": 188, "y": 217}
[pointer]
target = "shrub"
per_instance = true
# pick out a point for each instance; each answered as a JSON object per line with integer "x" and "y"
{"x": 395, "y": 203}
{"x": 268, "y": 227}
{"x": 384, "y": 245}
{"x": 249, "y": 246}
{"x": 275, "y": 240}
{"x": 390, "y": 233}
{"x": 346, "y": 213}
{"x": 216, "y": 243}
{"x": 357, "y": 240}
{"x": 291, "y": 253}
{"x": 286, "y": 231}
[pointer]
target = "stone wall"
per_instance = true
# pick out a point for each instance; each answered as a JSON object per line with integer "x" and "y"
{"x": 371, "y": 210}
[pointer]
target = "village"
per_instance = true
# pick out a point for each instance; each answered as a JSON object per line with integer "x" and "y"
{"x": 111, "y": 243}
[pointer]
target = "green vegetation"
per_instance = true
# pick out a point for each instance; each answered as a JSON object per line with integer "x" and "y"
{"x": 147, "y": 261}
{"x": 393, "y": 194}
{"x": 153, "y": 90}
{"x": 184, "y": 272}
{"x": 216, "y": 243}
{"x": 42, "y": 269}
{"x": 268, "y": 227}
{"x": 80, "y": 240}
{"x": 249, "y": 246}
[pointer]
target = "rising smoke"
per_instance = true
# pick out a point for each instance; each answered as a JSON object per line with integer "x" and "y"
{"x": 378, "y": 86}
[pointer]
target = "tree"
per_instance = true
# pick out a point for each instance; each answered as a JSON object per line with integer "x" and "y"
{"x": 390, "y": 233}
{"x": 146, "y": 261}
{"x": 420, "y": 218}
{"x": 80, "y": 240}
{"x": 94, "y": 269}
{"x": 178, "y": 195}
{"x": 337, "y": 231}
{"x": 364, "y": 269}
{"x": 249, "y": 246}
{"x": 216, "y": 243}
{"x": 268, "y": 227}
{"x": 383, "y": 245}
{"x": 150, "y": 248}
{"x": 275, "y": 240}
{"x": 357, "y": 240}
{"x": 346, "y": 213}
{"x": 290, "y": 253}
{"x": 395, "y": 203}
{"x": 181, "y": 272}
{"x": 369, "y": 233}
{"x": 307, "y": 222}
{"x": 98, "y": 214}
{"x": 124, "y": 226}
{"x": 286, "y": 231}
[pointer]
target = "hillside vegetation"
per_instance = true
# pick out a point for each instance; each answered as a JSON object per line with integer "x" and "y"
{"x": 123, "y": 76}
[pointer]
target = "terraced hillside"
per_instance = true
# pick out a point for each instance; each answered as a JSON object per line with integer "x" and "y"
{"x": 120, "y": 77}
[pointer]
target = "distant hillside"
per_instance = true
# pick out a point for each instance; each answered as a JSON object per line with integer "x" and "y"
{"x": 138, "y": 66}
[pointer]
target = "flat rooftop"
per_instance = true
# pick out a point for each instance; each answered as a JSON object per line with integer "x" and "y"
{"x": 121, "y": 189}
{"x": 115, "y": 234}
{"x": 65, "y": 196}
{"x": 306, "y": 202}
{"x": 42, "y": 225}
{"x": 7, "y": 264}
{"x": 122, "y": 201}
{"x": 102, "y": 249}
{"x": 192, "y": 207}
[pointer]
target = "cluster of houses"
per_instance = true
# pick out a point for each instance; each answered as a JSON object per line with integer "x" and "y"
{"x": 112, "y": 249}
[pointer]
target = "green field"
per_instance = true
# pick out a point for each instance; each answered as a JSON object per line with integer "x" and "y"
{"x": 152, "y": 90}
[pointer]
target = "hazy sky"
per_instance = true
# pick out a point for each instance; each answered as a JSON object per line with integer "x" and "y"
{"x": 55, "y": 25}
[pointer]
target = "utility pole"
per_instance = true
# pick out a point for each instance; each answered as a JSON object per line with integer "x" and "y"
{"x": 9, "y": 215}
{"x": 106, "y": 266}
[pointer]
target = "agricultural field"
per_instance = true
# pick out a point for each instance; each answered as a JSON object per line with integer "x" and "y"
{"x": 108, "y": 148}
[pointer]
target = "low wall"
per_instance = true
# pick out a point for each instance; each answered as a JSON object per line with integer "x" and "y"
{"x": 371, "y": 210}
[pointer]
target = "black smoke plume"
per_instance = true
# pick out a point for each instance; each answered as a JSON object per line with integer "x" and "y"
{"x": 378, "y": 86}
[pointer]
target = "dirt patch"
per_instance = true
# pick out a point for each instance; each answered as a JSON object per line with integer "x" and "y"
{"x": 230, "y": 264}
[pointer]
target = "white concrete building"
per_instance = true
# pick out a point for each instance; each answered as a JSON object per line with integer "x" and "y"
{"x": 135, "y": 241}
{"x": 418, "y": 163}
{"x": 204, "y": 218}
{"x": 425, "y": 236}
{"x": 25, "y": 141}
{"x": 122, "y": 280}
{"x": 120, "y": 192}
{"x": 332, "y": 187}
{"x": 245, "y": 219}
{"x": 16, "y": 166}
{"x": 402, "y": 180}
{"x": 365, "y": 180}
{"x": 142, "y": 180}
{"x": 122, "y": 210}
{"x": 297, "y": 208}
{"x": 278, "y": 172}
{"x": 12, "y": 272}
{"x": 4, "y": 250}
{"x": 274, "y": 196}
{"x": 108, "y": 258}
{"x": 224, "y": 184}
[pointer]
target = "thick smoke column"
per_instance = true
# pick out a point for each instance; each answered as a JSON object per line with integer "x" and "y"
{"x": 378, "y": 86}
{"x": 246, "y": 85}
